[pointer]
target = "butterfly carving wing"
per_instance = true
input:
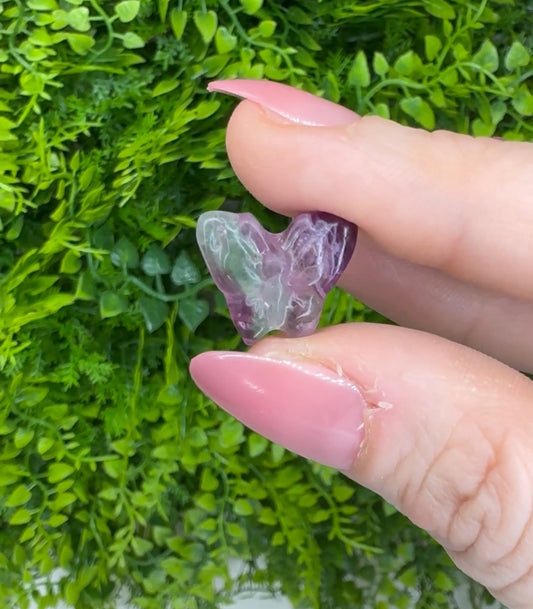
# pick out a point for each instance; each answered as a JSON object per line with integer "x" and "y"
{"x": 321, "y": 246}
{"x": 233, "y": 247}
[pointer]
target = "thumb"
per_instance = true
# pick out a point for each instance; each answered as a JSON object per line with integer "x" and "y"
{"x": 439, "y": 430}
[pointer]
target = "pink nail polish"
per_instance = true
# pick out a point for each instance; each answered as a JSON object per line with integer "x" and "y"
{"x": 294, "y": 105}
{"x": 303, "y": 406}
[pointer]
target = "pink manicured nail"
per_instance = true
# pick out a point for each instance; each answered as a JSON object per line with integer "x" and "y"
{"x": 293, "y": 104}
{"x": 303, "y": 406}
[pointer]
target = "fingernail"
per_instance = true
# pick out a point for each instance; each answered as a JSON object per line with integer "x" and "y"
{"x": 292, "y": 104}
{"x": 304, "y": 407}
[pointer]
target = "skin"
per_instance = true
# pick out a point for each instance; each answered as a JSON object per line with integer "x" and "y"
{"x": 445, "y": 250}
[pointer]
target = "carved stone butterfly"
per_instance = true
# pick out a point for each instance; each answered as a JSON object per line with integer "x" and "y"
{"x": 275, "y": 281}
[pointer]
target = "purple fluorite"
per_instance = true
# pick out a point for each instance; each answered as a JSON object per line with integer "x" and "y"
{"x": 275, "y": 281}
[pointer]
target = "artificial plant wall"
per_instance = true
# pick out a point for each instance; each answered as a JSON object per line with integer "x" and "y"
{"x": 115, "y": 473}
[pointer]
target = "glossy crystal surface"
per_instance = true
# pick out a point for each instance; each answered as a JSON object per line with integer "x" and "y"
{"x": 275, "y": 281}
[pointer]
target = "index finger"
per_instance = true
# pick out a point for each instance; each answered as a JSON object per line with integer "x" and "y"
{"x": 460, "y": 204}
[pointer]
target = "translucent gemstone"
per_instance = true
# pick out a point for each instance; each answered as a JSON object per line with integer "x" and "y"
{"x": 275, "y": 281}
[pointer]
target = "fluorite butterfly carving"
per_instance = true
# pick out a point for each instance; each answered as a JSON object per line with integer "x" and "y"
{"x": 275, "y": 281}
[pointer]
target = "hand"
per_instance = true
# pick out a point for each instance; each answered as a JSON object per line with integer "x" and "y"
{"x": 420, "y": 414}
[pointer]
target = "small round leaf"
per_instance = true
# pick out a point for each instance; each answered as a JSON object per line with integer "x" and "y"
{"x": 80, "y": 43}
{"x": 184, "y": 271}
{"x": 251, "y": 6}
{"x": 224, "y": 40}
{"x": 127, "y": 10}
{"x": 178, "y": 21}
{"x": 124, "y": 254}
{"x": 131, "y": 40}
{"x": 78, "y": 19}
{"x": 206, "y": 23}
{"x": 420, "y": 110}
{"x": 112, "y": 304}
{"x": 193, "y": 312}
{"x": 155, "y": 312}
{"x": 517, "y": 56}
{"x": 155, "y": 262}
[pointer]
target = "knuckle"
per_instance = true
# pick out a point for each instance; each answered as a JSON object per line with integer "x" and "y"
{"x": 498, "y": 551}
{"x": 476, "y": 498}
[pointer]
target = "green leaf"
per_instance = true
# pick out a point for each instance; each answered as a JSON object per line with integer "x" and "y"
{"x": 330, "y": 83}
{"x": 278, "y": 539}
{"x": 70, "y": 263}
{"x": 163, "y": 8}
{"x": 58, "y": 472}
{"x": 197, "y": 437}
{"x": 112, "y": 304}
{"x": 409, "y": 577}
{"x": 193, "y": 312}
{"x": 307, "y": 501}
{"x": 449, "y": 77}
{"x": 80, "y": 43}
{"x": 359, "y": 74}
{"x": 480, "y": 128}
{"x": 224, "y": 41}
{"x": 206, "y": 108}
{"x": 78, "y": 19}
{"x": 243, "y": 507}
{"x": 443, "y": 581}
{"x": 23, "y": 437}
{"x": 85, "y": 289}
{"x": 124, "y": 254}
{"x": 267, "y": 28}
{"x": 320, "y": 516}
{"x": 231, "y": 433}
{"x": 432, "y": 46}
{"x": 42, "y": 5}
{"x": 523, "y": 101}
{"x": 251, "y": 6}
{"x": 155, "y": 261}
{"x": 517, "y": 56}
{"x": 380, "y": 64}
{"x": 131, "y": 40}
{"x": 21, "y": 516}
{"x": 45, "y": 444}
{"x": 420, "y": 110}
{"x": 206, "y": 23}
{"x": 498, "y": 109}
{"x": 184, "y": 271}
{"x": 19, "y": 496}
{"x": 15, "y": 229}
{"x": 72, "y": 593}
{"x": 459, "y": 52}
{"x": 342, "y": 492}
{"x": 141, "y": 546}
{"x": 407, "y": 63}
{"x": 127, "y": 10}
{"x": 440, "y": 9}
{"x": 437, "y": 97}
{"x": 27, "y": 534}
{"x": 165, "y": 86}
{"x": 34, "y": 83}
{"x": 56, "y": 520}
{"x": 256, "y": 444}
{"x": 178, "y": 20}
{"x": 277, "y": 451}
{"x": 155, "y": 312}
{"x": 206, "y": 501}
{"x": 208, "y": 482}
{"x": 236, "y": 531}
{"x": 487, "y": 57}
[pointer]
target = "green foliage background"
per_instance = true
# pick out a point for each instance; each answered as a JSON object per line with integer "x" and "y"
{"x": 112, "y": 466}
